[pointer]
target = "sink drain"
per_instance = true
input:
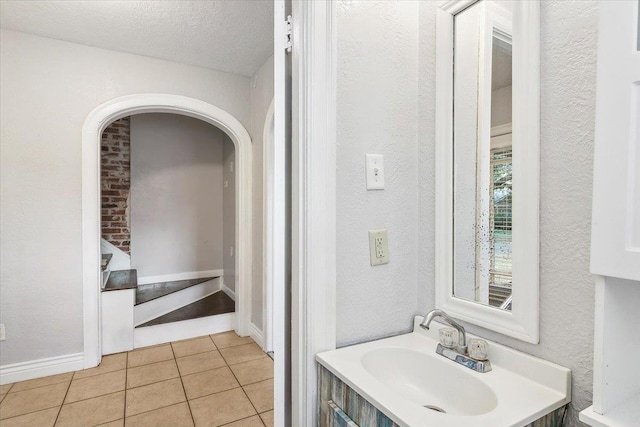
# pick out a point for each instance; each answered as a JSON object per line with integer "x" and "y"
{"x": 435, "y": 408}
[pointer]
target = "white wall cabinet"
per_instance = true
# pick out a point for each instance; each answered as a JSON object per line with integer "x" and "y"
{"x": 615, "y": 235}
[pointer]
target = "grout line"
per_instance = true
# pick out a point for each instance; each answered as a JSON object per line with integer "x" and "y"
{"x": 194, "y": 354}
{"x": 35, "y": 388}
{"x": 64, "y": 398}
{"x": 31, "y": 412}
{"x": 241, "y": 419}
{"x": 214, "y": 343}
{"x": 151, "y": 410}
{"x": 182, "y": 384}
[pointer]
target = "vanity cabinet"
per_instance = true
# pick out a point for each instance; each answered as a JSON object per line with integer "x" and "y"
{"x": 341, "y": 406}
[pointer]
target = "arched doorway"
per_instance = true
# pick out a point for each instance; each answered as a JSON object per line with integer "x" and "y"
{"x": 92, "y": 130}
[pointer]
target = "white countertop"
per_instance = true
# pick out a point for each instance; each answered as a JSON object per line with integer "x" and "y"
{"x": 526, "y": 387}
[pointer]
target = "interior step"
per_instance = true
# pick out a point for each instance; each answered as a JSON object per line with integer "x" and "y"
{"x": 158, "y": 299}
{"x": 146, "y": 293}
{"x": 122, "y": 279}
{"x": 104, "y": 261}
{"x": 218, "y": 303}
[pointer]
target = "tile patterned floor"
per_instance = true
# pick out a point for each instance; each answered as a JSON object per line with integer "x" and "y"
{"x": 217, "y": 380}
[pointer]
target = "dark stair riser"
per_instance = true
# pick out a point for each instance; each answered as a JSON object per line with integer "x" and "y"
{"x": 122, "y": 279}
{"x": 218, "y": 303}
{"x": 151, "y": 291}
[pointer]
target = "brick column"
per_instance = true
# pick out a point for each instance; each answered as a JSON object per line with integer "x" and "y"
{"x": 115, "y": 182}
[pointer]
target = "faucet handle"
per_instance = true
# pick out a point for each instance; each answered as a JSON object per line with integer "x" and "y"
{"x": 478, "y": 349}
{"x": 448, "y": 337}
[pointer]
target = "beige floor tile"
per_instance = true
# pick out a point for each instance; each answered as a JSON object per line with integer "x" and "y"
{"x": 33, "y": 400}
{"x": 200, "y": 362}
{"x": 145, "y": 356}
{"x": 153, "y": 373}
{"x": 170, "y": 416}
{"x": 4, "y": 389}
{"x": 229, "y": 339}
{"x": 2, "y": 397}
{"x": 110, "y": 363}
{"x": 154, "y": 396}
{"x": 97, "y": 385}
{"x": 253, "y": 371}
{"x": 46, "y": 418}
{"x": 194, "y": 346}
{"x": 254, "y": 421}
{"x": 41, "y": 382}
{"x": 267, "y": 418}
{"x": 91, "y": 412}
{"x": 261, "y": 395}
{"x": 116, "y": 423}
{"x": 209, "y": 382}
{"x": 242, "y": 353}
{"x": 221, "y": 408}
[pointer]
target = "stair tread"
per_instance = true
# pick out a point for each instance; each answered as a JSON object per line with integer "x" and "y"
{"x": 151, "y": 291}
{"x": 218, "y": 303}
{"x": 122, "y": 279}
{"x": 104, "y": 261}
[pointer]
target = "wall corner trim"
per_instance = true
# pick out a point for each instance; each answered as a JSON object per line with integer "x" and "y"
{"x": 256, "y": 334}
{"x": 31, "y": 369}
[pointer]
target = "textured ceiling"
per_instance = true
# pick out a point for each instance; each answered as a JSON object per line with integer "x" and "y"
{"x": 235, "y": 36}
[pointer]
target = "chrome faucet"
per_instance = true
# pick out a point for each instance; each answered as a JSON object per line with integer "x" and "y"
{"x": 459, "y": 355}
{"x": 462, "y": 335}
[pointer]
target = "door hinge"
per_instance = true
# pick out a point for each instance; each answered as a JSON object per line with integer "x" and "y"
{"x": 288, "y": 35}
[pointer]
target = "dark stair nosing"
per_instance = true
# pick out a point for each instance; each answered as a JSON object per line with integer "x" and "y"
{"x": 218, "y": 303}
{"x": 105, "y": 259}
{"x": 151, "y": 291}
{"x": 122, "y": 279}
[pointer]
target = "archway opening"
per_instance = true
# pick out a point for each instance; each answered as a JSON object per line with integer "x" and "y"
{"x": 94, "y": 126}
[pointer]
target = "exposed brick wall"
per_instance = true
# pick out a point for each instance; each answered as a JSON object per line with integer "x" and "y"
{"x": 115, "y": 182}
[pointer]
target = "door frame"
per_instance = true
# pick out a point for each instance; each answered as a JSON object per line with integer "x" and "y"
{"x": 313, "y": 196}
{"x": 273, "y": 229}
{"x": 94, "y": 125}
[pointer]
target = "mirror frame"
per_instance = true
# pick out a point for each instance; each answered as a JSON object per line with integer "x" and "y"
{"x": 522, "y": 322}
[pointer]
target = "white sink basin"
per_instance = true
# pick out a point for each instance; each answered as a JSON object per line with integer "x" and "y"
{"x": 404, "y": 378}
{"x": 429, "y": 380}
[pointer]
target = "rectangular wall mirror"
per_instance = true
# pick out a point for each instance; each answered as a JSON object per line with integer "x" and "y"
{"x": 488, "y": 164}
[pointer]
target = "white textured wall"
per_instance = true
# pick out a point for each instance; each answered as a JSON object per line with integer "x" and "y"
{"x": 568, "y": 81}
{"x": 261, "y": 98}
{"x": 377, "y": 102}
{"x": 48, "y": 89}
{"x": 176, "y": 194}
{"x": 229, "y": 215}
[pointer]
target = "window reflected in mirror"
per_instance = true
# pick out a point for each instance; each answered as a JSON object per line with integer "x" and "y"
{"x": 483, "y": 143}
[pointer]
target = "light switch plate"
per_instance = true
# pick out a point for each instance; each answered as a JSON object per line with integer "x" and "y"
{"x": 378, "y": 247}
{"x": 375, "y": 171}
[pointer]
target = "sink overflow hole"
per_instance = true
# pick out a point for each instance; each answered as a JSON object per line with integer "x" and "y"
{"x": 435, "y": 408}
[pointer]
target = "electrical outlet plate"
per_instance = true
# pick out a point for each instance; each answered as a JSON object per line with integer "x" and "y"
{"x": 378, "y": 247}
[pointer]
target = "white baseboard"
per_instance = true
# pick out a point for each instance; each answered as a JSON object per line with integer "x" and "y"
{"x": 192, "y": 328}
{"x": 160, "y": 306}
{"x": 231, "y": 294}
{"x": 256, "y": 334}
{"x": 41, "y": 368}
{"x": 188, "y": 275}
